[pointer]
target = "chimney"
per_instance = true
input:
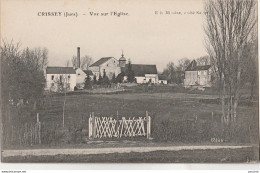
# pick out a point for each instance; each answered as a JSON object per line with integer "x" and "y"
{"x": 78, "y": 57}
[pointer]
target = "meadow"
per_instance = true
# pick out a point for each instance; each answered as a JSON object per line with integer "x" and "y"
{"x": 177, "y": 116}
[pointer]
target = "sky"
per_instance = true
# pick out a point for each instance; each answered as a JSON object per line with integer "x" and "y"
{"x": 144, "y": 36}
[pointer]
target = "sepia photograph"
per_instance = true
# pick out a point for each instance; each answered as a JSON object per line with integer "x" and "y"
{"x": 120, "y": 81}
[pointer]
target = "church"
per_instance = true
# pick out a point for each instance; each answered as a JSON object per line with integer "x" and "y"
{"x": 144, "y": 73}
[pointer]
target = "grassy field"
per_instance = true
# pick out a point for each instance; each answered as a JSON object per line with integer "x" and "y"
{"x": 173, "y": 115}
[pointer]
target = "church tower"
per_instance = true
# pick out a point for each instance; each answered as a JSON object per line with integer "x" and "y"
{"x": 122, "y": 61}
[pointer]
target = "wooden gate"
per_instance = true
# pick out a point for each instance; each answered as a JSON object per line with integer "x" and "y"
{"x": 108, "y": 127}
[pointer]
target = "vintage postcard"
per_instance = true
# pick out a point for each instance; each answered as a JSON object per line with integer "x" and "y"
{"x": 129, "y": 81}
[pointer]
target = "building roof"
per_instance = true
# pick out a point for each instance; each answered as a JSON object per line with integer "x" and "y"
{"x": 60, "y": 70}
{"x": 122, "y": 58}
{"x": 193, "y": 67}
{"x": 141, "y": 69}
{"x": 162, "y": 77}
{"x": 100, "y": 61}
{"x": 88, "y": 72}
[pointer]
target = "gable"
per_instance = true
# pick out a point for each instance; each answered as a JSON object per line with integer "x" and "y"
{"x": 100, "y": 61}
{"x": 112, "y": 62}
{"x": 193, "y": 67}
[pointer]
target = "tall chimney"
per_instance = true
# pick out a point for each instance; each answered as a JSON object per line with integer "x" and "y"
{"x": 78, "y": 57}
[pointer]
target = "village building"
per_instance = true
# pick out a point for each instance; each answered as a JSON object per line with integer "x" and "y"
{"x": 108, "y": 65}
{"x": 143, "y": 73}
{"x": 162, "y": 79}
{"x": 60, "y": 78}
{"x": 197, "y": 75}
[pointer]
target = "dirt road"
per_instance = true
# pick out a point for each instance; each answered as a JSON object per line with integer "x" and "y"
{"x": 52, "y": 152}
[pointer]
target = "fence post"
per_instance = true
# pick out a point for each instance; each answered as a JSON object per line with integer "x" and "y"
{"x": 117, "y": 124}
{"x": 148, "y": 125}
{"x": 93, "y": 125}
{"x": 39, "y": 128}
{"x": 90, "y": 126}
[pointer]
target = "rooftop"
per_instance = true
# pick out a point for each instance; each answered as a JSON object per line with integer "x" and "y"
{"x": 60, "y": 70}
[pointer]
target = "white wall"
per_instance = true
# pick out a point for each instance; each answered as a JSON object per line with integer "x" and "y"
{"x": 80, "y": 78}
{"x": 163, "y": 82}
{"x": 51, "y": 81}
{"x": 140, "y": 79}
{"x": 152, "y": 77}
{"x": 111, "y": 67}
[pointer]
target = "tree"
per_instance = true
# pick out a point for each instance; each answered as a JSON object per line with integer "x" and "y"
{"x": 170, "y": 72}
{"x": 95, "y": 80}
{"x": 204, "y": 60}
{"x": 85, "y": 62}
{"x": 183, "y": 64}
{"x": 120, "y": 77}
{"x": 22, "y": 75}
{"x": 130, "y": 73}
{"x": 113, "y": 80}
{"x": 87, "y": 82}
{"x": 180, "y": 70}
{"x": 228, "y": 25}
{"x": 105, "y": 80}
{"x": 100, "y": 80}
{"x": 249, "y": 73}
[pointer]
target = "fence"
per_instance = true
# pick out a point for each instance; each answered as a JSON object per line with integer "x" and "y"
{"x": 26, "y": 134}
{"x": 102, "y": 127}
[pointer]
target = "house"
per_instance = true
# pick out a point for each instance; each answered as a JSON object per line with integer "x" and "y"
{"x": 144, "y": 73}
{"x": 108, "y": 65}
{"x": 59, "y": 78}
{"x": 162, "y": 79}
{"x": 197, "y": 75}
{"x": 80, "y": 78}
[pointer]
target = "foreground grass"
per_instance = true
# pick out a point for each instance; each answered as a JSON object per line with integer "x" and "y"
{"x": 185, "y": 156}
{"x": 170, "y": 112}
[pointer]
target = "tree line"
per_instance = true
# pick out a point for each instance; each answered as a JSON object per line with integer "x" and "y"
{"x": 22, "y": 74}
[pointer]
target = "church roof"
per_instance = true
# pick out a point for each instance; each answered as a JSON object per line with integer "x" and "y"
{"x": 122, "y": 59}
{"x": 193, "y": 67}
{"x": 60, "y": 70}
{"x": 88, "y": 72}
{"x": 141, "y": 69}
{"x": 100, "y": 61}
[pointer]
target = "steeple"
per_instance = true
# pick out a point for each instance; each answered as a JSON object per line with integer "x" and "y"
{"x": 122, "y": 53}
{"x": 122, "y": 60}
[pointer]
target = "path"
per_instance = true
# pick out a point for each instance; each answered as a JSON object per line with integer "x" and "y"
{"x": 52, "y": 152}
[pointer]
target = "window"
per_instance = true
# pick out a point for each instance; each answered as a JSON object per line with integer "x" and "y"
{"x": 52, "y": 77}
{"x": 60, "y": 77}
{"x": 52, "y": 84}
{"x": 69, "y": 76}
{"x": 107, "y": 65}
